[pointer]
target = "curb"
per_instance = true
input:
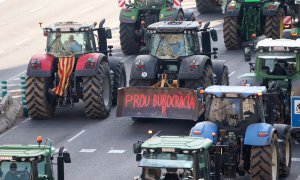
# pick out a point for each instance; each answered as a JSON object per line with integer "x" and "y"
{"x": 9, "y": 110}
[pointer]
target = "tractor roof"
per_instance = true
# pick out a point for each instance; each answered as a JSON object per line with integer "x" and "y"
{"x": 174, "y": 26}
{"x": 19, "y": 151}
{"x": 69, "y": 26}
{"x": 243, "y": 91}
{"x": 278, "y": 44}
{"x": 178, "y": 142}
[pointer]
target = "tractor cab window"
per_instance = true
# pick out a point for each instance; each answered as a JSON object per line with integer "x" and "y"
{"x": 143, "y": 4}
{"x": 15, "y": 170}
{"x": 166, "y": 165}
{"x": 233, "y": 111}
{"x": 171, "y": 46}
{"x": 66, "y": 44}
{"x": 45, "y": 169}
{"x": 279, "y": 65}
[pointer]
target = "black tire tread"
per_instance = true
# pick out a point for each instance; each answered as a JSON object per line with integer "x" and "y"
{"x": 204, "y": 81}
{"x": 128, "y": 39}
{"x": 205, "y": 6}
{"x": 232, "y": 38}
{"x": 272, "y": 26}
{"x": 36, "y": 98}
{"x": 118, "y": 73}
{"x": 94, "y": 106}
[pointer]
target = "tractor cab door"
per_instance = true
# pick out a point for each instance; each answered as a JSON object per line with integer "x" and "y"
{"x": 45, "y": 169}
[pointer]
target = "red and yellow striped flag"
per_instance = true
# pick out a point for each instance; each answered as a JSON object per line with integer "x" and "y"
{"x": 65, "y": 68}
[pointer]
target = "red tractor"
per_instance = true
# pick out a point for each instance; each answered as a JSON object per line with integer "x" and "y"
{"x": 74, "y": 68}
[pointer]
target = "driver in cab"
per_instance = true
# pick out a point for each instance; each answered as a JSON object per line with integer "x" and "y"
{"x": 72, "y": 45}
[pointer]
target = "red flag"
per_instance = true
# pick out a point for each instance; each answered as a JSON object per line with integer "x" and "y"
{"x": 65, "y": 68}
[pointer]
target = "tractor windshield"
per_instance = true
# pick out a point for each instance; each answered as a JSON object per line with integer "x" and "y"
{"x": 233, "y": 111}
{"x": 66, "y": 44}
{"x": 145, "y": 4}
{"x": 160, "y": 165}
{"x": 15, "y": 170}
{"x": 171, "y": 46}
{"x": 283, "y": 64}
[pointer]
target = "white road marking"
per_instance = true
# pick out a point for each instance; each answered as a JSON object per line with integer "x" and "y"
{"x": 12, "y": 78}
{"x": 16, "y": 97}
{"x": 14, "y": 90}
{"x": 231, "y": 73}
{"x": 87, "y": 150}
{"x": 298, "y": 178}
{"x": 21, "y": 42}
{"x": 74, "y": 137}
{"x": 86, "y": 10}
{"x": 57, "y": 149}
{"x": 296, "y": 142}
{"x": 189, "y": 6}
{"x": 116, "y": 151}
{"x": 15, "y": 127}
{"x": 296, "y": 159}
{"x": 36, "y": 9}
{"x": 188, "y": 3}
{"x": 11, "y": 85}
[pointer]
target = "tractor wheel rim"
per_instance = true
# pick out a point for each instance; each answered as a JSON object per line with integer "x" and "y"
{"x": 106, "y": 91}
{"x": 274, "y": 163}
{"x": 287, "y": 153}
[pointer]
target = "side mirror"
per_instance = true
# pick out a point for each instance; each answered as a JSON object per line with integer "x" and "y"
{"x": 213, "y": 35}
{"x": 247, "y": 54}
{"x": 67, "y": 157}
{"x": 137, "y": 148}
{"x": 108, "y": 33}
{"x": 138, "y": 157}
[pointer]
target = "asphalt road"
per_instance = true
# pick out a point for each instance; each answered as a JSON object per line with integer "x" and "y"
{"x": 100, "y": 149}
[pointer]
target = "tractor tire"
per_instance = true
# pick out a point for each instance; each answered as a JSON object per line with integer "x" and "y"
{"x": 130, "y": 44}
{"x": 207, "y": 79}
{"x": 232, "y": 37}
{"x": 224, "y": 80}
{"x": 119, "y": 81}
{"x": 97, "y": 93}
{"x": 285, "y": 165}
{"x": 265, "y": 161}
{"x": 141, "y": 82}
{"x": 274, "y": 26}
{"x": 206, "y": 6}
{"x": 40, "y": 104}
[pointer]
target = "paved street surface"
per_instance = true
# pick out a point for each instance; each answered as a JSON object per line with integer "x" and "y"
{"x": 100, "y": 149}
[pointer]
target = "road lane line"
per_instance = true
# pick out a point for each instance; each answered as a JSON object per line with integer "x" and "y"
{"x": 16, "y": 76}
{"x": 87, "y": 150}
{"x": 15, "y": 127}
{"x": 116, "y": 151}
{"x": 21, "y": 42}
{"x": 74, "y": 137}
{"x": 296, "y": 159}
{"x": 231, "y": 73}
{"x": 36, "y": 9}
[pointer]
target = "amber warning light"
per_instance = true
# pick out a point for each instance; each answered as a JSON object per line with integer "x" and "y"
{"x": 39, "y": 139}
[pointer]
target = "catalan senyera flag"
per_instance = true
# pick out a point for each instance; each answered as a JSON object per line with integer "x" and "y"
{"x": 65, "y": 68}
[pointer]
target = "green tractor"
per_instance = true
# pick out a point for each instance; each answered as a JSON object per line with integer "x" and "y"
{"x": 32, "y": 162}
{"x": 276, "y": 67}
{"x": 175, "y": 158}
{"x": 136, "y": 16}
{"x": 244, "y": 18}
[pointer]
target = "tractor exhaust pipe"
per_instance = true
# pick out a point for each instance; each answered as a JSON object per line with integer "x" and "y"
{"x": 60, "y": 164}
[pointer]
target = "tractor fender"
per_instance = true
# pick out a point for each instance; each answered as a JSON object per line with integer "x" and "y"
{"x": 82, "y": 70}
{"x": 169, "y": 13}
{"x": 270, "y": 8}
{"x": 233, "y": 9}
{"x": 45, "y": 68}
{"x": 150, "y": 67}
{"x": 253, "y": 138}
{"x": 295, "y": 90}
{"x": 186, "y": 73}
{"x": 205, "y": 129}
{"x": 129, "y": 15}
{"x": 188, "y": 15}
{"x": 250, "y": 79}
{"x": 218, "y": 68}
